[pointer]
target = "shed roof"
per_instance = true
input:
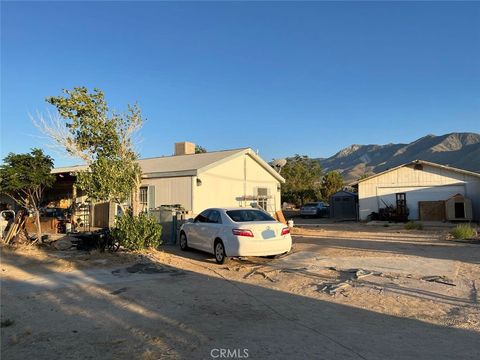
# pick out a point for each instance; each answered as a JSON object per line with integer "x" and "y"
{"x": 420, "y": 162}
{"x": 185, "y": 165}
{"x": 344, "y": 192}
{"x": 69, "y": 169}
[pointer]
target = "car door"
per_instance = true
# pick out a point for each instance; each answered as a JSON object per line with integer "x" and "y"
{"x": 194, "y": 236}
{"x": 210, "y": 230}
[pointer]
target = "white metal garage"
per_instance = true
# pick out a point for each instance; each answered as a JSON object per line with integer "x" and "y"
{"x": 419, "y": 181}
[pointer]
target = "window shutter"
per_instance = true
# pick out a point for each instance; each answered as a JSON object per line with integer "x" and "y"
{"x": 151, "y": 197}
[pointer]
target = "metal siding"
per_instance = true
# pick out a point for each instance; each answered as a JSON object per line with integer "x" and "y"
{"x": 175, "y": 190}
{"x": 416, "y": 194}
{"x": 413, "y": 180}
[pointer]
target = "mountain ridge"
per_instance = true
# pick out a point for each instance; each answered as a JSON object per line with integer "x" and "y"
{"x": 460, "y": 150}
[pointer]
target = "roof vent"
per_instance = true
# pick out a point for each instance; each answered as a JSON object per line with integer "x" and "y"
{"x": 184, "y": 148}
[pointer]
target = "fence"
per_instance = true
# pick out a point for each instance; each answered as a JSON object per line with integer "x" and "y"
{"x": 171, "y": 219}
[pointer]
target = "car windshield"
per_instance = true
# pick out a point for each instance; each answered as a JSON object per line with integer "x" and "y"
{"x": 248, "y": 215}
{"x": 311, "y": 204}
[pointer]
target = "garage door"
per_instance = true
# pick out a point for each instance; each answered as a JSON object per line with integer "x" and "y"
{"x": 416, "y": 194}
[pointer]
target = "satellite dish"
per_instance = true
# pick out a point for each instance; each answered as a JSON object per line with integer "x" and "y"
{"x": 278, "y": 164}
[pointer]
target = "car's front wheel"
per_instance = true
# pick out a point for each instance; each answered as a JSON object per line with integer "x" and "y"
{"x": 220, "y": 255}
{"x": 183, "y": 241}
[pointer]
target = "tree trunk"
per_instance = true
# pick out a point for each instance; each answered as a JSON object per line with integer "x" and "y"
{"x": 135, "y": 202}
{"x": 39, "y": 226}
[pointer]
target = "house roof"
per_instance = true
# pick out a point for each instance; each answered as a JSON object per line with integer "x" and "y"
{"x": 69, "y": 169}
{"x": 185, "y": 165}
{"x": 420, "y": 162}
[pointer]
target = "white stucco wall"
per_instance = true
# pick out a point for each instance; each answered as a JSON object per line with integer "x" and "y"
{"x": 224, "y": 184}
{"x": 429, "y": 184}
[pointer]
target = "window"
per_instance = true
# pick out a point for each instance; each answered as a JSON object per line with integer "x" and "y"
{"x": 214, "y": 217}
{"x": 203, "y": 217}
{"x": 249, "y": 215}
{"x": 143, "y": 198}
{"x": 262, "y": 194}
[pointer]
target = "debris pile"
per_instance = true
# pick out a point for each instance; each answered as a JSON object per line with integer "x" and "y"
{"x": 334, "y": 288}
{"x": 14, "y": 231}
{"x": 264, "y": 273}
{"x": 439, "y": 279}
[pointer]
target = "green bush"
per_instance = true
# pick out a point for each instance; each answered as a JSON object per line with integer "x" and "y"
{"x": 137, "y": 232}
{"x": 464, "y": 231}
{"x": 412, "y": 225}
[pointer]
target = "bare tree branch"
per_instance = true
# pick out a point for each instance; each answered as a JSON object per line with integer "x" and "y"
{"x": 61, "y": 139}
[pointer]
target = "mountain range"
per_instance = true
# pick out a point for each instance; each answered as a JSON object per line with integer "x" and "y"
{"x": 460, "y": 150}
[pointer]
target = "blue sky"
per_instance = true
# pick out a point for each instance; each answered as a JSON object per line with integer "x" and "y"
{"x": 283, "y": 78}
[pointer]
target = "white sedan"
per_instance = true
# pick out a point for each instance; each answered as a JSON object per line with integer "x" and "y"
{"x": 236, "y": 232}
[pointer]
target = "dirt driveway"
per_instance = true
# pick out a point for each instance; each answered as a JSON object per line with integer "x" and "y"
{"x": 346, "y": 292}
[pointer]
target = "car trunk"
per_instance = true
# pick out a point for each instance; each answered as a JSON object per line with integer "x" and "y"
{"x": 264, "y": 230}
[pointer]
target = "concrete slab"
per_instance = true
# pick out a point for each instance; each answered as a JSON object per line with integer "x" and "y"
{"x": 415, "y": 266}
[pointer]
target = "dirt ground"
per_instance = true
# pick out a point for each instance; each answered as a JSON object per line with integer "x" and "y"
{"x": 347, "y": 291}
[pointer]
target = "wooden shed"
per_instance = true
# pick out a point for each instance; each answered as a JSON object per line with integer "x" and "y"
{"x": 458, "y": 208}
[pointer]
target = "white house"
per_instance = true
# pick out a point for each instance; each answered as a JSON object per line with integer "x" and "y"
{"x": 195, "y": 182}
{"x": 421, "y": 182}
{"x": 214, "y": 179}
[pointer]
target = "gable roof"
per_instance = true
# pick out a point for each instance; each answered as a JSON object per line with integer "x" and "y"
{"x": 420, "y": 162}
{"x": 185, "y": 165}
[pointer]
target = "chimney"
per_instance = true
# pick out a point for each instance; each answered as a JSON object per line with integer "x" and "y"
{"x": 184, "y": 148}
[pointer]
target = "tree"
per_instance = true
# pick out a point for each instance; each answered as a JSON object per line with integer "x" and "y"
{"x": 24, "y": 177}
{"x": 331, "y": 183}
{"x": 200, "y": 149}
{"x": 104, "y": 140}
{"x": 302, "y": 180}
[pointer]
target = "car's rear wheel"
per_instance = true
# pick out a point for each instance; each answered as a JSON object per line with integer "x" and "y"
{"x": 219, "y": 250}
{"x": 183, "y": 241}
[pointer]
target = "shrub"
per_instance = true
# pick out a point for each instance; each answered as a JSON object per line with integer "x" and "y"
{"x": 464, "y": 231}
{"x": 412, "y": 225}
{"x": 137, "y": 232}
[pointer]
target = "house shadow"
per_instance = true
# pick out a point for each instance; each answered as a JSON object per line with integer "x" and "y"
{"x": 177, "y": 314}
